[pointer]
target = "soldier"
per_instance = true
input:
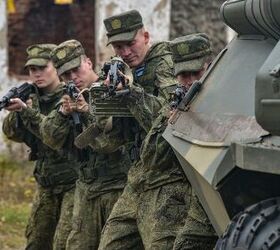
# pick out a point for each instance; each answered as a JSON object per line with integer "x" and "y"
{"x": 54, "y": 173}
{"x": 191, "y": 56}
{"x": 189, "y": 66}
{"x": 151, "y": 64}
{"x": 155, "y": 201}
{"x": 103, "y": 175}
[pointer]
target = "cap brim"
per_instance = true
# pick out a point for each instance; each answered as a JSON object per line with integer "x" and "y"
{"x": 189, "y": 66}
{"x": 74, "y": 63}
{"x": 36, "y": 62}
{"x": 122, "y": 37}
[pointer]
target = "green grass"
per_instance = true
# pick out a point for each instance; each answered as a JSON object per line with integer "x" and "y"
{"x": 16, "y": 193}
{"x": 13, "y": 219}
{"x": 14, "y": 214}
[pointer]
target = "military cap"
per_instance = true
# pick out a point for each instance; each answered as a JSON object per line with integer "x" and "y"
{"x": 39, "y": 54}
{"x": 123, "y": 27}
{"x": 190, "y": 52}
{"x": 67, "y": 55}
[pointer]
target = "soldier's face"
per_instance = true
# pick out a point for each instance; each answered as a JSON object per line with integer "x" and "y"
{"x": 82, "y": 75}
{"x": 44, "y": 77}
{"x": 133, "y": 52}
{"x": 187, "y": 78}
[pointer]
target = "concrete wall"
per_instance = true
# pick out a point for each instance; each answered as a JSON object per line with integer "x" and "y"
{"x": 193, "y": 16}
{"x": 41, "y": 21}
{"x": 4, "y": 79}
{"x": 156, "y": 18}
{"x": 3, "y": 43}
{"x": 6, "y": 82}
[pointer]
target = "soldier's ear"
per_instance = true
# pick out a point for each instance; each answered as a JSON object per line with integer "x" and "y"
{"x": 88, "y": 61}
{"x": 146, "y": 37}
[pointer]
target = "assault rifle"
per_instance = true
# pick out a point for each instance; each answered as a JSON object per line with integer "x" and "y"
{"x": 177, "y": 96}
{"x": 71, "y": 90}
{"x": 107, "y": 99}
{"x": 113, "y": 68}
{"x": 22, "y": 92}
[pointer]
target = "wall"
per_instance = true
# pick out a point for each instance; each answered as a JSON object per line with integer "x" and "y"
{"x": 193, "y": 16}
{"x": 3, "y": 44}
{"x": 5, "y": 81}
{"x": 42, "y": 21}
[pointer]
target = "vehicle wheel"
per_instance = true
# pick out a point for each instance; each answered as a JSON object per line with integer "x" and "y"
{"x": 256, "y": 228}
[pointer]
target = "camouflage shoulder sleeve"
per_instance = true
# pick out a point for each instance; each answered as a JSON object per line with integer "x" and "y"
{"x": 32, "y": 119}
{"x": 109, "y": 140}
{"x": 54, "y": 130}
{"x": 144, "y": 107}
{"x": 11, "y": 131}
{"x": 165, "y": 79}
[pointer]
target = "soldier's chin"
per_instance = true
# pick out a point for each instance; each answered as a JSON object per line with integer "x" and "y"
{"x": 132, "y": 63}
{"x": 40, "y": 84}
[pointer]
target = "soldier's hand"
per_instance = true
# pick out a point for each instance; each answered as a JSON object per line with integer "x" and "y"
{"x": 120, "y": 85}
{"x": 128, "y": 79}
{"x": 65, "y": 107}
{"x": 16, "y": 104}
{"x": 81, "y": 104}
{"x": 69, "y": 106}
{"x": 29, "y": 103}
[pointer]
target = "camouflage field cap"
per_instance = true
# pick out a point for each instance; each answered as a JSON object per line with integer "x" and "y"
{"x": 190, "y": 52}
{"x": 67, "y": 55}
{"x": 123, "y": 27}
{"x": 39, "y": 54}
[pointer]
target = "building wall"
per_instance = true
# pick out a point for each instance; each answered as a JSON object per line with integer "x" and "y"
{"x": 193, "y": 16}
{"x": 5, "y": 81}
{"x": 42, "y": 21}
{"x": 3, "y": 43}
{"x": 156, "y": 18}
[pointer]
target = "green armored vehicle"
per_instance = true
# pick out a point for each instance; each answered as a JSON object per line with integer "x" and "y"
{"x": 226, "y": 134}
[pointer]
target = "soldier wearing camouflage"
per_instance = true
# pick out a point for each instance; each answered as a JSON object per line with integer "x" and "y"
{"x": 49, "y": 223}
{"x": 151, "y": 64}
{"x": 191, "y": 56}
{"x": 103, "y": 175}
{"x": 147, "y": 215}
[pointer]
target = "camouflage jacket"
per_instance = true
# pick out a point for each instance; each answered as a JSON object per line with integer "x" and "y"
{"x": 52, "y": 169}
{"x": 156, "y": 74}
{"x": 104, "y": 170}
{"x": 147, "y": 101}
{"x": 158, "y": 164}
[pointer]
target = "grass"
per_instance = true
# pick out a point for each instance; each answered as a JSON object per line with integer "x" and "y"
{"x": 16, "y": 193}
{"x": 13, "y": 219}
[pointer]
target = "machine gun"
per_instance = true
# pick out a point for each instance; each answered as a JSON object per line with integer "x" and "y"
{"x": 22, "y": 92}
{"x": 107, "y": 99}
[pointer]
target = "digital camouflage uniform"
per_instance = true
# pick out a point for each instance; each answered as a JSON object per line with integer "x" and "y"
{"x": 103, "y": 176}
{"x": 190, "y": 54}
{"x": 54, "y": 173}
{"x": 156, "y": 199}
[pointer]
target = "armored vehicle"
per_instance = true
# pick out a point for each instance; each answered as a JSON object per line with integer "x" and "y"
{"x": 226, "y": 133}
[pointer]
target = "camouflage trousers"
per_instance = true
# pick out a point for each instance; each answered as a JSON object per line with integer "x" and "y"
{"x": 89, "y": 217}
{"x": 197, "y": 233}
{"x": 147, "y": 220}
{"x": 50, "y": 220}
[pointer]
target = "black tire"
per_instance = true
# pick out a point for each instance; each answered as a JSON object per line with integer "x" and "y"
{"x": 256, "y": 228}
